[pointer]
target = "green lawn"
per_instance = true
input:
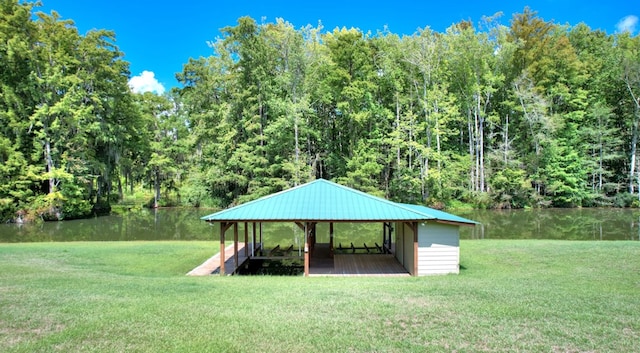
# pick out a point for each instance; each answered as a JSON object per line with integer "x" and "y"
{"x": 511, "y": 296}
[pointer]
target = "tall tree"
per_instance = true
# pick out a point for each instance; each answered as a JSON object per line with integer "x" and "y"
{"x": 476, "y": 76}
{"x": 287, "y": 153}
{"x": 19, "y": 178}
{"x": 600, "y": 130}
{"x": 164, "y": 133}
{"x": 250, "y": 113}
{"x": 64, "y": 103}
{"x": 630, "y": 63}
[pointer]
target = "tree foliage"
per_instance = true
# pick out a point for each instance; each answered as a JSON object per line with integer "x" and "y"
{"x": 528, "y": 113}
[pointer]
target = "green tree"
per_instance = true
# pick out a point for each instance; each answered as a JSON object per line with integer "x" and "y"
{"x": 287, "y": 153}
{"x": 510, "y": 188}
{"x": 601, "y": 131}
{"x": 19, "y": 179}
{"x": 64, "y": 113}
{"x": 167, "y": 150}
{"x": 253, "y": 88}
{"x": 630, "y": 65}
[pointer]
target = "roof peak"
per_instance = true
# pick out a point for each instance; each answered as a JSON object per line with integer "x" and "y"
{"x": 321, "y": 200}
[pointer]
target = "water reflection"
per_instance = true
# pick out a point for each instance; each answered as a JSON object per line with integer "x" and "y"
{"x": 570, "y": 224}
{"x": 143, "y": 224}
{"x": 185, "y": 224}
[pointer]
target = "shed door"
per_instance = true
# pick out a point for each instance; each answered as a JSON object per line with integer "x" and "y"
{"x": 408, "y": 249}
{"x": 399, "y": 243}
{"x": 404, "y": 246}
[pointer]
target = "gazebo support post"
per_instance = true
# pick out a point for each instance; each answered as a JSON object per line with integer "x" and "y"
{"x": 235, "y": 246}
{"x": 312, "y": 233}
{"x": 331, "y": 239}
{"x": 384, "y": 235}
{"x": 306, "y": 249}
{"x": 253, "y": 240}
{"x": 246, "y": 239}
{"x": 223, "y": 229}
{"x": 260, "y": 233}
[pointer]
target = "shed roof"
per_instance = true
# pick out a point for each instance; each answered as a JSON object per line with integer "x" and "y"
{"x": 325, "y": 201}
{"x": 439, "y": 215}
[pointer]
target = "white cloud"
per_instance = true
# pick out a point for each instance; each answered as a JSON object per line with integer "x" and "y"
{"x": 146, "y": 82}
{"x": 627, "y": 24}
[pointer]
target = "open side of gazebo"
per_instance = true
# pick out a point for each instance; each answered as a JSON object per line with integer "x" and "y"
{"x": 322, "y": 201}
{"x": 319, "y": 258}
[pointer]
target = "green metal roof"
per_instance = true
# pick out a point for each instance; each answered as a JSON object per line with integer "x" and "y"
{"x": 321, "y": 201}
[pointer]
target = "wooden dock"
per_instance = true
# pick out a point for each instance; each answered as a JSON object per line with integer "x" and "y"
{"x": 212, "y": 265}
{"x": 320, "y": 263}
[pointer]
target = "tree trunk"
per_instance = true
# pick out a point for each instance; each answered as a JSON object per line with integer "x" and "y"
{"x": 436, "y": 110}
{"x": 481, "y": 153}
{"x": 411, "y": 143}
{"x": 476, "y": 141}
{"x": 296, "y": 142}
{"x": 600, "y": 162}
{"x": 634, "y": 143}
{"x": 120, "y": 192}
{"x": 472, "y": 179}
{"x": 638, "y": 184}
{"x": 634, "y": 137}
{"x": 398, "y": 131}
{"x": 297, "y": 148}
{"x": 50, "y": 167}
{"x": 156, "y": 201}
{"x": 506, "y": 139}
{"x": 425, "y": 190}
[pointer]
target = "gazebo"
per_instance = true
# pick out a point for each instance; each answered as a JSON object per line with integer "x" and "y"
{"x": 426, "y": 240}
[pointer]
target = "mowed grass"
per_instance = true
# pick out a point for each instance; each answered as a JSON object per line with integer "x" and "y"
{"x": 511, "y": 296}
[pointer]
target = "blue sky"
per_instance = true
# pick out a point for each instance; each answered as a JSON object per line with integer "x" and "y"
{"x": 158, "y": 37}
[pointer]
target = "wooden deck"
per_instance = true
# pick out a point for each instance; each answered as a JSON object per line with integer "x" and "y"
{"x": 320, "y": 263}
{"x": 359, "y": 265}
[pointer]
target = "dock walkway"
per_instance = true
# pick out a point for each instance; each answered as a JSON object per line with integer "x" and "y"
{"x": 212, "y": 265}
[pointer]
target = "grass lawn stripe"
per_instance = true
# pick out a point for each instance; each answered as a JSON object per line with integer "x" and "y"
{"x": 511, "y": 296}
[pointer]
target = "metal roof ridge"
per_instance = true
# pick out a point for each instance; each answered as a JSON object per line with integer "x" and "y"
{"x": 420, "y": 215}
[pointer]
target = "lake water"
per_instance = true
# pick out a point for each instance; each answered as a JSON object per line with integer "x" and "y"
{"x": 185, "y": 224}
{"x": 569, "y": 224}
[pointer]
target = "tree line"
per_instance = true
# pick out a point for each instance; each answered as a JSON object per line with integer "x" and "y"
{"x": 525, "y": 114}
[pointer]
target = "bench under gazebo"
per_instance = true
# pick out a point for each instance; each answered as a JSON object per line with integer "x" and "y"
{"x": 416, "y": 240}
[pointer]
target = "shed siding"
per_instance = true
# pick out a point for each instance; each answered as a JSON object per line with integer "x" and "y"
{"x": 438, "y": 249}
